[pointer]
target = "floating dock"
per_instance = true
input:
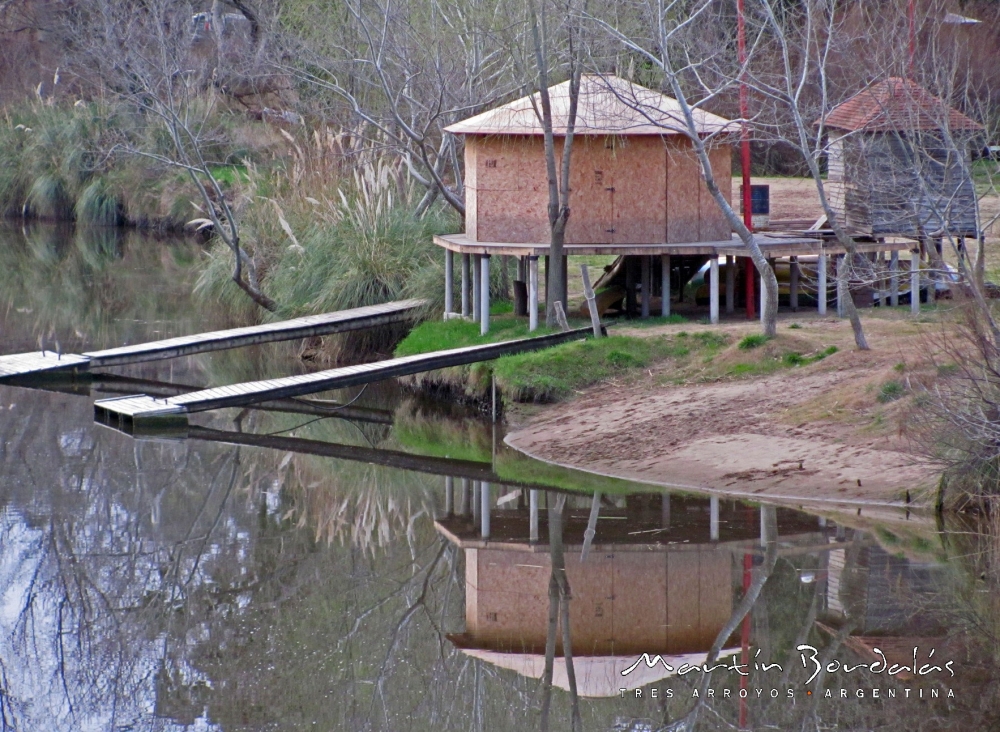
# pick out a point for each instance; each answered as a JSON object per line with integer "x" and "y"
{"x": 128, "y": 412}
{"x": 43, "y": 362}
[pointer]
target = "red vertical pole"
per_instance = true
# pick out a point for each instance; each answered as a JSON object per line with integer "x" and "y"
{"x": 745, "y": 155}
{"x": 911, "y": 20}
{"x": 745, "y": 639}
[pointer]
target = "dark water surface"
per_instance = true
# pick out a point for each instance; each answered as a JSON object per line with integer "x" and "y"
{"x": 291, "y": 570}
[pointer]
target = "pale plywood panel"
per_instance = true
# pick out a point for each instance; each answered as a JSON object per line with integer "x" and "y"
{"x": 590, "y": 177}
{"x": 471, "y": 589}
{"x": 714, "y": 225}
{"x": 684, "y": 185}
{"x": 512, "y": 195}
{"x": 511, "y": 599}
{"x": 590, "y": 610}
{"x": 471, "y": 183}
{"x": 683, "y": 599}
{"x": 640, "y": 197}
{"x": 716, "y": 592}
{"x": 640, "y": 605}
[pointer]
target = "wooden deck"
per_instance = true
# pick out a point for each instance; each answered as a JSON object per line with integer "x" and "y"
{"x": 28, "y": 364}
{"x": 773, "y": 244}
{"x": 125, "y": 412}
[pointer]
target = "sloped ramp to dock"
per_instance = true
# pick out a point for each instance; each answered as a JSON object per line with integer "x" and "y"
{"x": 126, "y": 413}
{"x": 30, "y": 364}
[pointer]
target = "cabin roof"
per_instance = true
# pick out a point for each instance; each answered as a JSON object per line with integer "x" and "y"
{"x": 896, "y": 104}
{"x": 608, "y": 105}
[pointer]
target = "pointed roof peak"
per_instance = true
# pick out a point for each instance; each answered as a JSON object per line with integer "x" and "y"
{"x": 896, "y": 104}
{"x": 607, "y": 105}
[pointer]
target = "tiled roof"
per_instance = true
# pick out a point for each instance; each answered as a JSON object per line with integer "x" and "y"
{"x": 608, "y": 105}
{"x": 896, "y": 104}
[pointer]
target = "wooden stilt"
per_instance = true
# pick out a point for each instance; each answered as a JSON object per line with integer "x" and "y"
{"x": 665, "y": 511}
{"x": 630, "y": 285}
{"x": 894, "y": 279}
{"x": 665, "y": 285}
{"x": 915, "y": 282}
{"x": 730, "y": 284}
{"x": 484, "y": 509}
{"x": 449, "y": 496}
{"x": 841, "y": 283}
{"x": 533, "y": 515}
{"x": 713, "y": 290}
{"x": 713, "y": 518}
{"x": 647, "y": 285}
{"x": 449, "y": 282}
{"x": 793, "y": 283}
{"x": 484, "y": 293}
{"x": 464, "y": 504}
{"x": 466, "y": 283}
{"x": 476, "y": 286}
{"x": 532, "y": 293}
{"x": 822, "y": 289}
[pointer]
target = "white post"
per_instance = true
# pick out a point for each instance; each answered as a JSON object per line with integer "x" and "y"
{"x": 474, "y": 501}
{"x": 533, "y": 515}
{"x": 665, "y": 511}
{"x": 647, "y": 285}
{"x": 793, "y": 283}
{"x": 730, "y": 283}
{"x": 842, "y": 291}
{"x": 532, "y": 293}
{"x": 449, "y": 496}
{"x": 484, "y": 511}
{"x": 476, "y": 287}
{"x": 484, "y": 293}
{"x": 466, "y": 277}
{"x": 821, "y": 291}
{"x": 894, "y": 278}
{"x": 713, "y": 519}
{"x": 713, "y": 290}
{"x": 463, "y": 495}
{"x": 915, "y": 282}
{"x": 665, "y": 284}
{"x": 449, "y": 282}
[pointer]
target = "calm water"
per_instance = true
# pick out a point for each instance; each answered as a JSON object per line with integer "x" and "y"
{"x": 288, "y": 570}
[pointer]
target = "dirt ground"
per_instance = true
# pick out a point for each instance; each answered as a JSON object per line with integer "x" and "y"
{"x": 808, "y": 434}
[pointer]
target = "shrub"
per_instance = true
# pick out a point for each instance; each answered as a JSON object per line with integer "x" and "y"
{"x": 890, "y": 392}
{"x": 753, "y": 341}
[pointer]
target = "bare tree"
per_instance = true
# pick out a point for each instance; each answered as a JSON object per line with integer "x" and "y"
{"x": 671, "y": 46}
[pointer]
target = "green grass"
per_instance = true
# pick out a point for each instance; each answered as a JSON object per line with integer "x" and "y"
{"x": 652, "y": 322}
{"x": 755, "y": 340}
{"x": 439, "y": 335}
{"x": 557, "y": 372}
{"x": 890, "y": 391}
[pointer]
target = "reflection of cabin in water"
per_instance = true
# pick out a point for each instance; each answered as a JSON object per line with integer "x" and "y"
{"x": 659, "y": 577}
{"x": 899, "y": 163}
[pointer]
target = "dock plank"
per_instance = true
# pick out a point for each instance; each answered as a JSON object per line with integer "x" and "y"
{"x": 253, "y": 392}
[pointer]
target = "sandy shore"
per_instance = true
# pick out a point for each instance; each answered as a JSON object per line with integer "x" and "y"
{"x": 757, "y": 437}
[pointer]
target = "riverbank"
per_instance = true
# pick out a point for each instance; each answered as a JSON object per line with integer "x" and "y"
{"x": 756, "y": 422}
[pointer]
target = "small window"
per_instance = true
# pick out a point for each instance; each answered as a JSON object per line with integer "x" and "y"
{"x": 492, "y": 617}
{"x": 599, "y": 177}
{"x": 491, "y": 163}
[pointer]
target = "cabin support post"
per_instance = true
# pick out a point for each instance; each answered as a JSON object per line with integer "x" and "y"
{"x": 665, "y": 285}
{"x": 533, "y": 515}
{"x": 841, "y": 283}
{"x": 713, "y": 291}
{"x": 564, "y": 295}
{"x": 894, "y": 278}
{"x": 647, "y": 284}
{"x": 463, "y": 497}
{"x": 629, "y": 285}
{"x": 449, "y": 496}
{"x": 449, "y": 282}
{"x": 821, "y": 293}
{"x": 793, "y": 283}
{"x": 915, "y": 282}
{"x": 484, "y": 511}
{"x": 476, "y": 282}
{"x": 474, "y": 501}
{"x": 713, "y": 519}
{"x": 466, "y": 279}
{"x": 665, "y": 511}
{"x": 532, "y": 293}
{"x": 484, "y": 293}
{"x": 730, "y": 284}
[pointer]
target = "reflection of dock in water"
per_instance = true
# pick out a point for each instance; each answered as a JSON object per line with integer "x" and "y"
{"x": 661, "y": 576}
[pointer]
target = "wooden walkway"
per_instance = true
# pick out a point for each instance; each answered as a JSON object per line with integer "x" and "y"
{"x": 29, "y": 364}
{"x": 126, "y": 413}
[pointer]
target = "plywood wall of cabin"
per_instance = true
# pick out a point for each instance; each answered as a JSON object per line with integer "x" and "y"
{"x": 511, "y": 190}
{"x": 699, "y": 599}
{"x": 638, "y": 190}
{"x": 684, "y": 190}
{"x": 714, "y": 224}
{"x": 471, "y": 178}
